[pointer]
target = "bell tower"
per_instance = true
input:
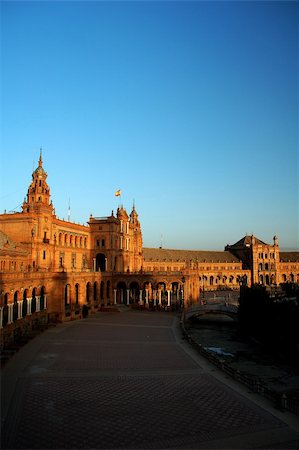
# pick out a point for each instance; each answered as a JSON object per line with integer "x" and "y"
{"x": 38, "y": 194}
{"x": 136, "y": 238}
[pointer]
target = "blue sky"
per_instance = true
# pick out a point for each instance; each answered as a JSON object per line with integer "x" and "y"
{"x": 190, "y": 108}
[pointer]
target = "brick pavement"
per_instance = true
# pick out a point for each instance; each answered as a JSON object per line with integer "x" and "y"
{"x": 128, "y": 381}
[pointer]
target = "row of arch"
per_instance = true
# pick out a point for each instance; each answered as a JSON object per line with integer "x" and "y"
{"x": 72, "y": 241}
{"x": 22, "y": 305}
{"x": 212, "y": 280}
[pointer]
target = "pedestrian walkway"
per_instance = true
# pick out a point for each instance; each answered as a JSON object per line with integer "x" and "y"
{"x": 130, "y": 381}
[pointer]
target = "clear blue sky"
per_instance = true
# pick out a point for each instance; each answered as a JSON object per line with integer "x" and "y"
{"x": 190, "y": 108}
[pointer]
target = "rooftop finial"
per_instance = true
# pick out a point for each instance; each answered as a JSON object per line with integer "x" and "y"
{"x": 40, "y": 162}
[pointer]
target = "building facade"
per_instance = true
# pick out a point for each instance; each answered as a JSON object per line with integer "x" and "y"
{"x": 50, "y": 268}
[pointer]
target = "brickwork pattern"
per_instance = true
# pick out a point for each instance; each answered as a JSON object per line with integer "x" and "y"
{"x": 123, "y": 381}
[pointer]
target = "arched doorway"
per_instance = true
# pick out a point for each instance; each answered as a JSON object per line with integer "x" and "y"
{"x": 88, "y": 292}
{"x": 134, "y": 292}
{"x": 95, "y": 293}
{"x": 67, "y": 300}
{"x": 5, "y": 310}
{"x": 101, "y": 262}
{"x": 15, "y": 307}
{"x": 25, "y": 303}
{"x": 102, "y": 291}
{"x": 121, "y": 292}
{"x": 77, "y": 294}
{"x": 33, "y": 302}
{"x": 42, "y": 298}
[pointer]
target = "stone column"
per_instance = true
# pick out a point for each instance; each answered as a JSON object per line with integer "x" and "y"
{"x": 146, "y": 297}
{"x": 121, "y": 296}
{"x": 168, "y": 298}
{"x": 154, "y": 297}
{"x": 128, "y": 296}
{"x": 20, "y": 304}
{"x": 160, "y": 297}
{"x": 29, "y": 300}
{"x": 140, "y": 298}
{"x": 1, "y": 317}
{"x": 115, "y": 291}
{"x": 45, "y": 302}
{"x": 38, "y": 303}
{"x": 10, "y": 313}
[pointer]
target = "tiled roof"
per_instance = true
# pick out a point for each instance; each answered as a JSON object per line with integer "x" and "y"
{"x": 289, "y": 256}
{"x": 8, "y": 245}
{"x": 161, "y": 254}
{"x": 246, "y": 240}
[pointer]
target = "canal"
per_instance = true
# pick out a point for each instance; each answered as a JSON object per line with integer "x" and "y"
{"x": 219, "y": 335}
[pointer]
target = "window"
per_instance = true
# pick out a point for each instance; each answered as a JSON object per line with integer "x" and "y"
{"x": 44, "y": 254}
{"x": 103, "y": 242}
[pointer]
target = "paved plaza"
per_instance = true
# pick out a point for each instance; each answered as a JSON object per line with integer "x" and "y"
{"x": 128, "y": 380}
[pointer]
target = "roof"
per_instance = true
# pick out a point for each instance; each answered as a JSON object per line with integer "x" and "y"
{"x": 247, "y": 240}
{"x": 289, "y": 256}
{"x": 7, "y": 245}
{"x": 161, "y": 254}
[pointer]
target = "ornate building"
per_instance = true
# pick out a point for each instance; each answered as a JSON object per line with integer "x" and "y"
{"x": 50, "y": 267}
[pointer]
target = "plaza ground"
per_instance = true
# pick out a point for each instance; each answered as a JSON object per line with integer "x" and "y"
{"x": 129, "y": 380}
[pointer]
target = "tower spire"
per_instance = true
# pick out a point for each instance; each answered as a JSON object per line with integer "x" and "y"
{"x": 40, "y": 161}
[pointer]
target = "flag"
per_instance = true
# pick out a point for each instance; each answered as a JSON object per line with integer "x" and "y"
{"x": 118, "y": 193}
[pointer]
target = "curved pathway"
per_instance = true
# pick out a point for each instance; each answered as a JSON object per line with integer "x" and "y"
{"x": 129, "y": 380}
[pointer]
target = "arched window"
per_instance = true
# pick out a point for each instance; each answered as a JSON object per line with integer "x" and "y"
{"x": 211, "y": 280}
